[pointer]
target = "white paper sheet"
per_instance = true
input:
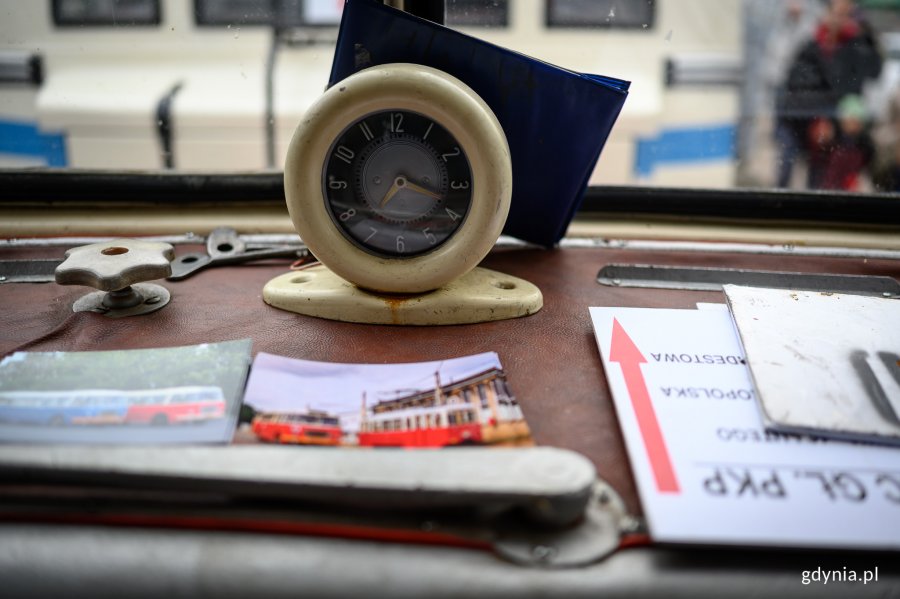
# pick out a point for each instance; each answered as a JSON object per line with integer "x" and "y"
{"x": 823, "y": 363}
{"x": 706, "y": 469}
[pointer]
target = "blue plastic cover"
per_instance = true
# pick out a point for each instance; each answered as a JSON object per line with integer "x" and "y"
{"x": 556, "y": 121}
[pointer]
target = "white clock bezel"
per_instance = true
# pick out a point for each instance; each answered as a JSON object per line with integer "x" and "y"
{"x": 462, "y": 113}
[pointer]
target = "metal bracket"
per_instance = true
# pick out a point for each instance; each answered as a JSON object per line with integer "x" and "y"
{"x": 225, "y": 246}
{"x": 711, "y": 279}
{"x": 595, "y": 536}
{"x": 140, "y": 298}
{"x": 28, "y": 271}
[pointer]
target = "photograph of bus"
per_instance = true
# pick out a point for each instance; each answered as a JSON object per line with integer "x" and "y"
{"x": 112, "y": 406}
{"x": 455, "y": 402}
{"x": 60, "y": 408}
{"x": 310, "y": 428}
{"x": 168, "y": 395}
{"x": 176, "y": 405}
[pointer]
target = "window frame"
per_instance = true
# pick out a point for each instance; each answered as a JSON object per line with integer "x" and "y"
{"x": 59, "y": 188}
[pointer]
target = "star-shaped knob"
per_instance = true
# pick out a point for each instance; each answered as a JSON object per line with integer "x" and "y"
{"x": 114, "y": 265}
{"x": 118, "y": 268}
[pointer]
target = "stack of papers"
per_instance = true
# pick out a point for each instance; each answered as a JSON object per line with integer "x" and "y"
{"x": 707, "y": 469}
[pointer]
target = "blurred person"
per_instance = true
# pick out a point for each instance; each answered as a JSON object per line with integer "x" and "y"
{"x": 841, "y": 56}
{"x": 793, "y": 29}
{"x": 841, "y": 150}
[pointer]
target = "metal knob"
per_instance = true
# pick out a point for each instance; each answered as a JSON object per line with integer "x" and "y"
{"x": 118, "y": 269}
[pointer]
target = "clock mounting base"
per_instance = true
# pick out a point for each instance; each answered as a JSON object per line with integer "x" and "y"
{"x": 481, "y": 295}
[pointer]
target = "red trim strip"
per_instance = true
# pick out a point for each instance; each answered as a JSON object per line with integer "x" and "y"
{"x": 284, "y": 527}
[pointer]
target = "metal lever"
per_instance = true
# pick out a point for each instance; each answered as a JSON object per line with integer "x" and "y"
{"x": 538, "y": 506}
{"x": 224, "y": 246}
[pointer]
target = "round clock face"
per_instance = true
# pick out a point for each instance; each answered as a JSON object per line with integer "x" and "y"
{"x": 397, "y": 184}
{"x": 399, "y": 178}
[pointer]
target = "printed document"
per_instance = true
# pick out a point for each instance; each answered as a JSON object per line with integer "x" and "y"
{"x": 707, "y": 471}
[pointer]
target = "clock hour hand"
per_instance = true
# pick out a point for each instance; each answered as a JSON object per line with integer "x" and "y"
{"x": 396, "y": 186}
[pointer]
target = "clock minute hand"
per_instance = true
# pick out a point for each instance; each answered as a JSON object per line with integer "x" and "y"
{"x": 422, "y": 190}
{"x": 401, "y": 183}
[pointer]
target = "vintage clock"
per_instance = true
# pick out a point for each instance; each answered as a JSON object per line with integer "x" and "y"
{"x": 399, "y": 181}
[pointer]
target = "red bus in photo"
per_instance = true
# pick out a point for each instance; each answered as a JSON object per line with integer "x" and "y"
{"x": 311, "y": 428}
{"x": 176, "y": 405}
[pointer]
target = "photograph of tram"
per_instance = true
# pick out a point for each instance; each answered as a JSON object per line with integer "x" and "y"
{"x": 477, "y": 409}
{"x": 461, "y": 401}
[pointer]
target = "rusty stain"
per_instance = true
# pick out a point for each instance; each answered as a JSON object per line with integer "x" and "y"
{"x": 795, "y": 297}
{"x": 394, "y": 303}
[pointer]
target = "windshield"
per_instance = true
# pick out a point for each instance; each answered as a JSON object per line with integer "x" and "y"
{"x": 801, "y": 94}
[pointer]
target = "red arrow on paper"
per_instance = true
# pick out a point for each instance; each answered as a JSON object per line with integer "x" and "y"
{"x": 623, "y": 350}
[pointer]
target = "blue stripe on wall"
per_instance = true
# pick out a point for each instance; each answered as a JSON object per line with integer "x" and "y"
{"x": 678, "y": 146}
{"x": 25, "y": 139}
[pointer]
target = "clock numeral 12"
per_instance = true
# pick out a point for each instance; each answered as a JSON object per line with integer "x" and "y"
{"x": 396, "y": 127}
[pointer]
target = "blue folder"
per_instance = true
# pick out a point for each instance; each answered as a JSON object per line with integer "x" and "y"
{"x": 556, "y": 121}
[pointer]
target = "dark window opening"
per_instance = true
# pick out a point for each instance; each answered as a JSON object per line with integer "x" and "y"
{"x": 106, "y": 13}
{"x": 609, "y": 14}
{"x": 477, "y": 13}
{"x": 284, "y": 14}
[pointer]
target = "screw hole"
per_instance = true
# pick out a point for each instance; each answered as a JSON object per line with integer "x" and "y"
{"x": 114, "y": 251}
{"x": 300, "y": 280}
{"x": 189, "y": 259}
{"x": 225, "y": 247}
{"x": 504, "y": 285}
